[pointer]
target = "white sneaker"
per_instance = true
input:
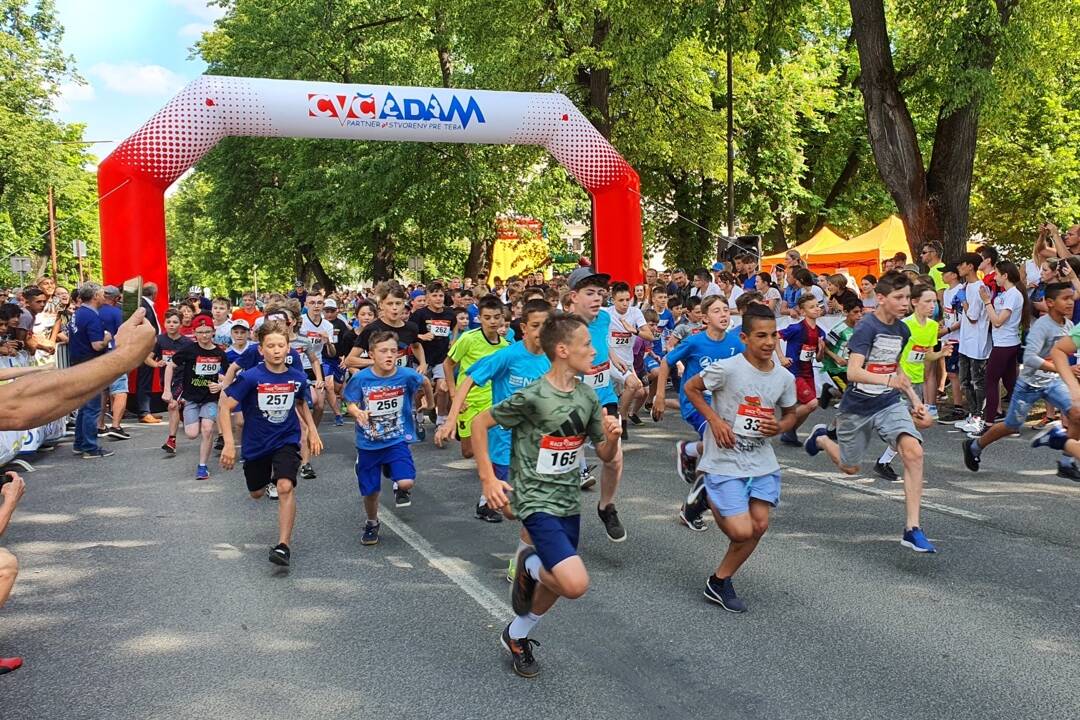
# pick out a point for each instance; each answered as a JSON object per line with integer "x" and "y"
{"x": 931, "y": 410}
{"x": 271, "y": 491}
{"x": 962, "y": 424}
{"x": 974, "y": 426}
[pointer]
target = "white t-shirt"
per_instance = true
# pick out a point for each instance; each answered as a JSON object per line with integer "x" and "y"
{"x": 949, "y": 316}
{"x": 313, "y": 333}
{"x": 1034, "y": 274}
{"x": 736, "y": 291}
{"x": 770, "y": 295}
{"x": 712, "y": 289}
{"x": 819, "y": 294}
{"x": 974, "y": 324}
{"x": 620, "y": 339}
{"x": 1008, "y": 335}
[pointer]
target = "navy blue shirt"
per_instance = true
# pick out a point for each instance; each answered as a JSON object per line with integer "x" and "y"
{"x": 86, "y": 328}
{"x": 268, "y": 401}
{"x": 112, "y": 318}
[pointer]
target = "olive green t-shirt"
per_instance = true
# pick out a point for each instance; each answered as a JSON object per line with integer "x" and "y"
{"x": 548, "y": 431}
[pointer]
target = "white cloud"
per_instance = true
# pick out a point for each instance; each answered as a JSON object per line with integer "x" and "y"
{"x": 139, "y": 80}
{"x": 71, "y": 92}
{"x": 194, "y": 31}
{"x": 200, "y": 9}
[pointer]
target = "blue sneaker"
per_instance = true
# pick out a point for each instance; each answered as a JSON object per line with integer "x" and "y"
{"x": 338, "y": 421}
{"x": 202, "y": 473}
{"x": 916, "y": 540}
{"x": 722, "y": 592}
{"x": 811, "y": 445}
{"x": 1053, "y": 436}
{"x": 371, "y": 534}
{"x": 790, "y": 438}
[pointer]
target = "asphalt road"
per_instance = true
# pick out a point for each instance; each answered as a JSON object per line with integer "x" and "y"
{"x": 146, "y": 594}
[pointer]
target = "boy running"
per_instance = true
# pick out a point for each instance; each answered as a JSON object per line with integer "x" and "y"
{"x": 435, "y": 323}
{"x": 165, "y": 348}
{"x": 201, "y": 368}
{"x": 380, "y": 399}
{"x": 741, "y": 474}
{"x": 805, "y": 344}
{"x": 834, "y": 361}
{"x": 272, "y": 398}
{"x": 549, "y": 421}
{"x": 872, "y": 402}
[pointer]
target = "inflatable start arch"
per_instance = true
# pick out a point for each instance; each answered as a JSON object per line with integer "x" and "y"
{"x": 132, "y": 180}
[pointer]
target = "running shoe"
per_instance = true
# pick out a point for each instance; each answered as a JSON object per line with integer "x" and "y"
{"x": 525, "y": 664}
{"x": 790, "y": 438}
{"x": 169, "y": 446}
{"x": 150, "y": 419}
{"x": 219, "y": 444}
{"x": 634, "y": 418}
{"x": 962, "y": 422}
{"x": 371, "y": 534}
{"x": 625, "y": 430}
{"x": 722, "y": 592}
{"x": 685, "y": 466}
{"x": 1068, "y": 471}
{"x": 523, "y": 587}
{"x": 271, "y": 491}
{"x": 693, "y": 509}
{"x": 885, "y": 472}
{"x": 931, "y": 411}
{"x": 118, "y": 433}
{"x": 952, "y": 416}
{"x": 418, "y": 422}
{"x": 811, "y": 445}
{"x": 202, "y": 473}
{"x": 10, "y": 664}
{"x": 971, "y": 460}
{"x": 1051, "y": 436}
{"x": 917, "y": 541}
{"x": 307, "y": 472}
{"x": 610, "y": 517}
{"x": 402, "y": 498}
{"x": 338, "y": 421}
{"x": 98, "y": 453}
{"x": 510, "y": 569}
{"x": 826, "y": 397}
{"x": 587, "y": 477}
{"x": 697, "y": 524}
{"x": 280, "y": 554}
{"x": 487, "y": 514}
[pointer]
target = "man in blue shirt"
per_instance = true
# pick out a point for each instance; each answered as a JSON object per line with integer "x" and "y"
{"x": 117, "y": 394}
{"x": 87, "y": 340}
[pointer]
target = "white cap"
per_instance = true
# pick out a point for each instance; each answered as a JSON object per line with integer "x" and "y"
{"x": 330, "y": 303}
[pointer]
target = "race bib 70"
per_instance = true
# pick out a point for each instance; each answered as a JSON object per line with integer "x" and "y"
{"x": 598, "y": 376}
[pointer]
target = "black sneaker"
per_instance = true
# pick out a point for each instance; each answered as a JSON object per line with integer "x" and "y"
{"x": 722, "y": 592}
{"x": 402, "y": 498}
{"x": 219, "y": 444}
{"x": 697, "y": 502}
{"x": 610, "y": 517}
{"x": 635, "y": 419}
{"x": 99, "y": 453}
{"x": 954, "y": 415}
{"x": 524, "y": 585}
{"x": 118, "y": 433}
{"x": 1070, "y": 472}
{"x": 279, "y": 555}
{"x": 307, "y": 472}
{"x": 525, "y": 664}
{"x": 826, "y": 397}
{"x": 625, "y": 430}
{"x": 488, "y": 514}
{"x": 685, "y": 466}
{"x": 371, "y": 534}
{"x": 418, "y": 423}
{"x": 971, "y": 460}
{"x": 886, "y": 472}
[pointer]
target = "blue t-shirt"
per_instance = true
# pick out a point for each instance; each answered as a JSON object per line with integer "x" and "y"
{"x": 791, "y": 296}
{"x": 112, "y": 318}
{"x": 241, "y": 358}
{"x": 666, "y": 322}
{"x": 253, "y": 357}
{"x": 600, "y": 377}
{"x": 388, "y": 401}
{"x": 474, "y": 316}
{"x": 508, "y": 370}
{"x": 268, "y": 401}
{"x": 696, "y": 353}
{"x": 86, "y": 327}
{"x": 799, "y": 339}
{"x": 881, "y": 346}
{"x": 750, "y": 284}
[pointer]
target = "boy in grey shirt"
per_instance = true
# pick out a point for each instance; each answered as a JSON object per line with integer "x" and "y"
{"x": 741, "y": 480}
{"x": 1037, "y": 381}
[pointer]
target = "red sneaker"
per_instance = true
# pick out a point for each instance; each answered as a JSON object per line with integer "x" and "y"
{"x": 9, "y": 664}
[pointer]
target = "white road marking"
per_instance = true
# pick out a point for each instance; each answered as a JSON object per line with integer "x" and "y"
{"x": 455, "y": 569}
{"x": 858, "y": 485}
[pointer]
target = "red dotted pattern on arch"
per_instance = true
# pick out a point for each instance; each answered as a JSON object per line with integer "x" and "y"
{"x": 555, "y": 123}
{"x": 205, "y": 111}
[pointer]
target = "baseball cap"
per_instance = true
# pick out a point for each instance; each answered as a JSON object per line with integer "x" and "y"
{"x": 911, "y": 267}
{"x": 202, "y": 321}
{"x": 194, "y": 290}
{"x": 717, "y": 267}
{"x": 417, "y": 293}
{"x": 111, "y": 291}
{"x": 240, "y": 323}
{"x": 330, "y": 303}
{"x": 299, "y": 283}
{"x": 575, "y": 279}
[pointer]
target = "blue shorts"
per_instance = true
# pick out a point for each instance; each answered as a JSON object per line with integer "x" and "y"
{"x": 731, "y": 495}
{"x": 952, "y": 363}
{"x": 650, "y": 364}
{"x": 501, "y": 471}
{"x": 396, "y": 461}
{"x": 555, "y": 538}
{"x": 1024, "y": 396}
{"x": 697, "y": 421}
{"x": 119, "y": 385}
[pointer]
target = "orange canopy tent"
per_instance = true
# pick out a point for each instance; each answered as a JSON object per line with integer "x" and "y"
{"x": 823, "y": 238}
{"x": 859, "y": 255}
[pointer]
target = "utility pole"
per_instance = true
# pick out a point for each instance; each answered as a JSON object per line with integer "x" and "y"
{"x": 52, "y": 231}
{"x": 730, "y": 129}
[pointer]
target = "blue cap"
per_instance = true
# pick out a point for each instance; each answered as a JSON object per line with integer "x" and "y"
{"x": 717, "y": 267}
{"x": 416, "y": 293}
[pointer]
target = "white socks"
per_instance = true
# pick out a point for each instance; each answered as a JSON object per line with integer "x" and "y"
{"x": 523, "y": 625}
{"x": 887, "y": 456}
{"x": 532, "y": 566}
{"x": 693, "y": 449}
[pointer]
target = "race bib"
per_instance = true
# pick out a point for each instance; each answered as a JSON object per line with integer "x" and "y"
{"x": 748, "y": 417}
{"x": 950, "y": 315}
{"x": 877, "y": 369}
{"x": 598, "y": 376}
{"x": 558, "y": 455}
{"x": 807, "y": 353}
{"x": 439, "y": 328}
{"x": 402, "y": 359}
{"x": 166, "y": 355}
{"x": 386, "y": 402}
{"x": 334, "y": 336}
{"x": 917, "y": 354}
{"x": 207, "y": 366}
{"x": 621, "y": 339}
{"x": 276, "y": 400}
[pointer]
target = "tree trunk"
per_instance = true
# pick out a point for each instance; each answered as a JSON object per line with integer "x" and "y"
{"x": 382, "y": 261}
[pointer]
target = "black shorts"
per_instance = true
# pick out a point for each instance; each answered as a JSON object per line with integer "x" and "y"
{"x": 311, "y": 375}
{"x": 282, "y": 464}
{"x": 612, "y": 409}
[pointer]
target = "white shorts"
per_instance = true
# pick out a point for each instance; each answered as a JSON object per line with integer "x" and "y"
{"x": 437, "y": 372}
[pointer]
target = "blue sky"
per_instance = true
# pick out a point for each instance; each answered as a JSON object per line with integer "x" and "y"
{"x": 133, "y": 56}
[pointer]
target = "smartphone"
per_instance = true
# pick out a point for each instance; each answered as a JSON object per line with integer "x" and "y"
{"x": 130, "y": 296}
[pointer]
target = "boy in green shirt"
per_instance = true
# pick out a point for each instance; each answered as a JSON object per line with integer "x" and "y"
{"x": 834, "y": 361}
{"x": 549, "y": 422}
